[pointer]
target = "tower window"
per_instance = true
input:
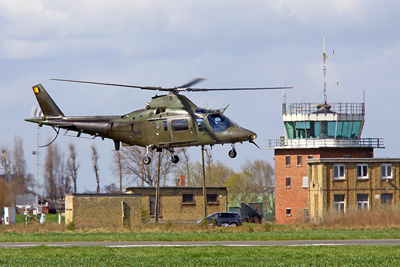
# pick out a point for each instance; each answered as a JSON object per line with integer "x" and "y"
{"x": 288, "y": 161}
{"x": 288, "y": 182}
{"x": 362, "y": 201}
{"x": 299, "y": 160}
{"x": 289, "y": 212}
{"x": 386, "y": 171}
{"x": 387, "y": 198}
{"x": 338, "y": 171}
{"x": 339, "y": 203}
{"x": 362, "y": 171}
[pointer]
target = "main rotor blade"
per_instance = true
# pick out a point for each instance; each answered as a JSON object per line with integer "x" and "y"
{"x": 182, "y": 88}
{"x": 121, "y": 85}
{"x": 194, "y": 81}
{"x": 235, "y": 89}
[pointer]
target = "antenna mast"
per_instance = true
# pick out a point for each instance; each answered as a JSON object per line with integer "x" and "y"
{"x": 324, "y": 56}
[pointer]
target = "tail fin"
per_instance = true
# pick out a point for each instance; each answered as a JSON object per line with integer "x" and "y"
{"x": 46, "y": 103}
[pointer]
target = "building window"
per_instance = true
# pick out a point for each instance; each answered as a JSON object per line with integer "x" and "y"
{"x": 188, "y": 199}
{"x": 299, "y": 160}
{"x": 310, "y": 156}
{"x": 386, "y": 171}
{"x": 339, "y": 203}
{"x": 362, "y": 171}
{"x": 305, "y": 182}
{"x": 338, "y": 171}
{"x": 212, "y": 198}
{"x": 288, "y": 161}
{"x": 387, "y": 198}
{"x": 362, "y": 202}
{"x": 288, "y": 212}
{"x": 288, "y": 182}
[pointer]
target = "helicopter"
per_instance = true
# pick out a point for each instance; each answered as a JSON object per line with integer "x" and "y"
{"x": 168, "y": 121}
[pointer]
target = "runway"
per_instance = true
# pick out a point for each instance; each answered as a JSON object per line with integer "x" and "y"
{"x": 127, "y": 244}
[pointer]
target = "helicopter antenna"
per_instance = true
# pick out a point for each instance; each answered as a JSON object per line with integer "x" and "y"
{"x": 324, "y": 56}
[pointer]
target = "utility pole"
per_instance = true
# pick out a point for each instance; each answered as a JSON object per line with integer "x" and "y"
{"x": 204, "y": 182}
{"x": 157, "y": 211}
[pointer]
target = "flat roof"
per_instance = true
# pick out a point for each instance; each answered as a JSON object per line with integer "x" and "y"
{"x": 351, "y": 160}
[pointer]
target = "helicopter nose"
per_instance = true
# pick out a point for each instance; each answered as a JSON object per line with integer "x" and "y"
{"x": 239, "y": 134}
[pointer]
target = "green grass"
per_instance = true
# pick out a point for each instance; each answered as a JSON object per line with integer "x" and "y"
{"x": 221, "y": 234}
{"x": 203, "y": 256}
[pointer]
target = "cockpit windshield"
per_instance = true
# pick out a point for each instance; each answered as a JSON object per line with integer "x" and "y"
{"x": 218, "y": 122}
{"x": 204, "y": 110}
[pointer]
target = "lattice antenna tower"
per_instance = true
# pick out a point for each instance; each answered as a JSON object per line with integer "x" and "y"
{"x": 324, "y": 56}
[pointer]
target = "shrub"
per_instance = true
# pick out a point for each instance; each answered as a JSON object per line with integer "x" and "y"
{"x": 70, "y": 226}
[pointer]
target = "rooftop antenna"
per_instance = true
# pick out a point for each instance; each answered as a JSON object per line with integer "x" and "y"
{"x": 324, "y": 56}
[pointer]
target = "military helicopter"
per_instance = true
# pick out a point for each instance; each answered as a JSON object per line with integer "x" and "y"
{"x": 167, "y": 122}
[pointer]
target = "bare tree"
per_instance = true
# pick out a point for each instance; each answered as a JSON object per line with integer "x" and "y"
{"x": 64, "y": 181}
{"x": 111, "y": 189}
{"x": 256, "y": 181}
{"x": 167, "y": 166}
{"x": 73, "y": 165}
{"x": 21, "y": 180}
{"x": 186, "y": 166}
{"x": 216, "y": 172}
{"x": 51, "y": 161}
{"x": 5, "y": 193}
{"x": 95, "y": 158}
{"x": 57, "y": 182}
{"x": 5, "y": 159}
{"x": 132, "y": 166}
{"x": 116, "y": 168}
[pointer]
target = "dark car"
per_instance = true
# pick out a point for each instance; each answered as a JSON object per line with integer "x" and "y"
{"x": 224, "y": 219}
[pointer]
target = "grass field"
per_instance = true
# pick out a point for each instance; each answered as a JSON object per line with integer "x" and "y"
{"x": 353, "y": 226}
{"x": 203, "y": 256}
{"x": 221, "y": 234}
{"x": 350, "y": 226}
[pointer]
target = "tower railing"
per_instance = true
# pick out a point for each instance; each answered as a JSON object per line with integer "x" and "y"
{"x": 326, "y": 142}
{"x": 309, "y": 108}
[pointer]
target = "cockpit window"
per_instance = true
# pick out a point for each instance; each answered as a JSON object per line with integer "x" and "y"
{"x": 201, "y": 124}
{"x": 204, "y": 110}
{"x": 218, "y": 122}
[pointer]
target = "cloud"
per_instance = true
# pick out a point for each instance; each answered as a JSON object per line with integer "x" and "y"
{"x": 321, "y": 12}
{"x": 29, "y": 18}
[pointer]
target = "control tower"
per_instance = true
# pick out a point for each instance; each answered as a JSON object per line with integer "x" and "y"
{"x": 313, "y": 130}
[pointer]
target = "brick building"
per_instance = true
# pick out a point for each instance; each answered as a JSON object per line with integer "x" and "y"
{"x": 181, "y": 203}
{"x": 342, "y": 184}
{"x": 102, "y": 210}
{"x": 314, "y": 131}
{"x": 177, "y": 204}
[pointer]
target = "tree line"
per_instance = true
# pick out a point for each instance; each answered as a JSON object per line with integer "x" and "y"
{"x": 60, "y": 172}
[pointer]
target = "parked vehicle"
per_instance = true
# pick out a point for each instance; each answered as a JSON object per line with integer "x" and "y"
{"x": 224, "y": 219}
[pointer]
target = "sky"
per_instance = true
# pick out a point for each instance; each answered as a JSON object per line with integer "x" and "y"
{"x": 252, "y": 43}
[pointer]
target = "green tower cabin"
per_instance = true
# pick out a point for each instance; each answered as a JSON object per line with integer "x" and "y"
{"x": 323, "y": 125}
